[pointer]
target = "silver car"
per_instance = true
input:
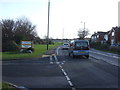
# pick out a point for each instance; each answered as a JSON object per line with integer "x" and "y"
{"x": 65, "y": 46}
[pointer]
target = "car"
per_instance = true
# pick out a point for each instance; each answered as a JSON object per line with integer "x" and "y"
{"x": 65, "y": 46}
{"x": 79, "y": 48}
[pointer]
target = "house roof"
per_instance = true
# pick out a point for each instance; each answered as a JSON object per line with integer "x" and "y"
{"x": 116, "y": 28}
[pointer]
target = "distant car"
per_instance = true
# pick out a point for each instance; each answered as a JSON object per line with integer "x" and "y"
{"x": 79, "y": 48}
{"x": 65, "y": 46}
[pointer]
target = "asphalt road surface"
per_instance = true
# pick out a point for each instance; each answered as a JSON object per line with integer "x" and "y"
{"x": 61, "y": 71}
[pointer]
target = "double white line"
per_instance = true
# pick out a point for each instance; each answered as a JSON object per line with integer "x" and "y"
{"x": 63, "y": 71}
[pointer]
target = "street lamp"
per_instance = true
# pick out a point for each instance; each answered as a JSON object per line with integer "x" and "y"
{"x": 48, "y": 24}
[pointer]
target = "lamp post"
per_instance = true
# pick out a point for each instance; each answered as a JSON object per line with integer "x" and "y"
{"x": 48, "y": 24}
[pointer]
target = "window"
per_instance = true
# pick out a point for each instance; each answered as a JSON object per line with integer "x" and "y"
{"x": 113, "y": 33}
{"x": 81, "y": 44}
{"x": 97, "y": 36}
{"x": 112, "y": 41}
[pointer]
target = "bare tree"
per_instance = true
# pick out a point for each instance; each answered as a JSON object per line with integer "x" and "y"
{"x": 15, "y": 31}
{"x": 83, "y": 33}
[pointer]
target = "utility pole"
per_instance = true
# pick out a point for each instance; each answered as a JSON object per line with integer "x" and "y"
{"x": 63, "y": 34}
{"x": 84, "y": 30}
{"x": 48, "y": 24}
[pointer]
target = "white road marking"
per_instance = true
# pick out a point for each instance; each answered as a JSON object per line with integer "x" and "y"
{"x": 73, "y": 88}
{"x": 57, "y": 62}
{"x": 60, "y": 66}
{"x": 57, "y": 51}
{"x": 62, "y": 70}
{"x": 70, "y": 83}
{"x": 67, "y": 78}
{"x": 51, "y": 62}
{"x": 65, "y": 74}
{"x": 18, "y": 87}
{"x": 105, "y": 54}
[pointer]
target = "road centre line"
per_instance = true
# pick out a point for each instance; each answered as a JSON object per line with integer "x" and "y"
{"x": 65, "y": 74}
{"x": 70, "y": 83}
{"x": 67, "y": 78}
{"x": 105, "y": 54}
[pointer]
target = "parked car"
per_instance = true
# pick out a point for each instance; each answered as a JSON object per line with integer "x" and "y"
{"x": 65, "y": 46}
{"x": 79, "y": 48}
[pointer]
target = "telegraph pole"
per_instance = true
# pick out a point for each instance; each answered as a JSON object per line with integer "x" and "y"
{"x": 84, "y": 29}
{"x": 48, "y": 24}
{"x": 63, "y": 34}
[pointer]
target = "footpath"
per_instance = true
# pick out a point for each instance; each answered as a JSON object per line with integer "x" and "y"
{"x": 111, "y": 58}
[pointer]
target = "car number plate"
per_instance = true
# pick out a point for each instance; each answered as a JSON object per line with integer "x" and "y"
{"x": 82, "y": 52}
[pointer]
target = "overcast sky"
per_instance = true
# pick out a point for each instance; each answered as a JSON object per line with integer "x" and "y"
{"x": 67, "y": 15}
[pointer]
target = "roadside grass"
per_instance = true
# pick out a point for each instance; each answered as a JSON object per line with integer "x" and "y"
{"x": 39, "y": 50}
{"x": 6, "y": 86}
{"x": 108, "y": 51}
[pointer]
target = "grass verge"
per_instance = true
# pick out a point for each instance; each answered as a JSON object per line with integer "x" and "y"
{"x": 108, "y": 51}
{"x": 39, "y": 50}
{"x": 6, "y": 86}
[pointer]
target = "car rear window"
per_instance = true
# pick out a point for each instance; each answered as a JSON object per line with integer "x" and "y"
{"x": 65, "y": 44}
{"x": 81, "y": 44}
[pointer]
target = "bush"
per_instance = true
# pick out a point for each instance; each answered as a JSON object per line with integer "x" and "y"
{"x": 106, "y": 47}
{"x": 10, "y": 46}
{"x": 98, "y": 45}
{"x": 115, "y": 48}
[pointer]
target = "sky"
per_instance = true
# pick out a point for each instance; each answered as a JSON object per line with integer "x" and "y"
{"x": 66, "y": 16}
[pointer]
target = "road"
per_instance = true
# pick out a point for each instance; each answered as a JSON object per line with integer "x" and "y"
{"x": 61, "y": 71}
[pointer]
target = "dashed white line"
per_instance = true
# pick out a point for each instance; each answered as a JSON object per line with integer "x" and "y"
{"x": 60, "y": 66}
{"x": 62, "y": 70}
{"x": 67, "y": 78}
{"x": 70, "y": 83}
{"x": 65, "y": 74}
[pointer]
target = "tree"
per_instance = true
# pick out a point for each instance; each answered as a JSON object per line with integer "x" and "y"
{"x": 24, "y": 30}
{"x": 7, "y": 30}
{"x": 15, "y": 31}
{"x": 83, "y": 33}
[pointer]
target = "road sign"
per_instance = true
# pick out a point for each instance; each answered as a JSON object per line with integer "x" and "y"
{"x": 26, "y": 44}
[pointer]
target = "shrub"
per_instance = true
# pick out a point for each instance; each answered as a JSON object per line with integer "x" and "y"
{"x": 10, "y": 46}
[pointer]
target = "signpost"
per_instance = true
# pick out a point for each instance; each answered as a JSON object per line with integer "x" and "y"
{"x": 26, "y": 46}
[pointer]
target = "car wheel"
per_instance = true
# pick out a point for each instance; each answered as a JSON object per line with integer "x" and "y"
{"x": 87, "y": 56}
{"x": 69, "y": 54}
{"x": 73, "y": 55}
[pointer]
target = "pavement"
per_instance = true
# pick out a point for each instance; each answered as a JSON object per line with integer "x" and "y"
{"x": 105, "y": 56}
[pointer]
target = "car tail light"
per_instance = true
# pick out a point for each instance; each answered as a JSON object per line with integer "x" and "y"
{"x": 88, "y": 47}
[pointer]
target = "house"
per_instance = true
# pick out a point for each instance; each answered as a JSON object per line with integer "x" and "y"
{"x": 114, "y": 35}
{"x": 94, "y": 37}
{"x": 100, "y": 37}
